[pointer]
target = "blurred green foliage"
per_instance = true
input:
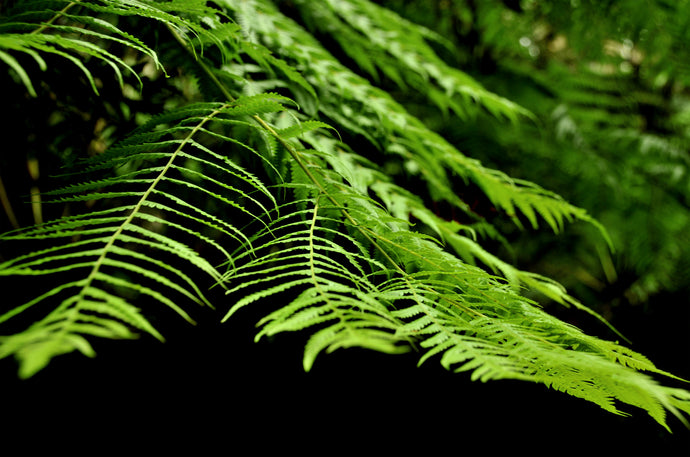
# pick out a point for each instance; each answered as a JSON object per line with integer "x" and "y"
{"x": 608, "y": 82}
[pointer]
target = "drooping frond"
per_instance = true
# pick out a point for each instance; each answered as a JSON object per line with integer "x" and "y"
{"x": 158, "y": 212}
{"x": 413, "y": 292}
{"x": 71, "y": 30}
{"x": 306, "y": 251}
{"x": 354, "y": 103}
{"x": 380, "y": 40}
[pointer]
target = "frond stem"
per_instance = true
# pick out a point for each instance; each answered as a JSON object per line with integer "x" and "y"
{"x": 7, "y": 205}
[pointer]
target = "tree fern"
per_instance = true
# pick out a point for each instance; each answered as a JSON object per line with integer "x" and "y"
{"x": 281, "y": 200}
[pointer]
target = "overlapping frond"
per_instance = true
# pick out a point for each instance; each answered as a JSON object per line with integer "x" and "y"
{"x": 72, "y": 30}
{"x": 380, "y": 40}
{"x": 318, "y": 260}
{"x": 352, "y": 102}
{"x": 334, "y": 277}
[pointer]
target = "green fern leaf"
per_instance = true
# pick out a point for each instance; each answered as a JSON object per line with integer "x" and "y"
{"x": 97, "y": 243}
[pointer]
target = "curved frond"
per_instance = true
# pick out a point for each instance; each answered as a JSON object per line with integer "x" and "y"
{"x": 142, "y": 248}
{"x": 423, "y": 151}
{"x": 381, "y": 41}
{"x": 69, "y": 30}
{"x": 416, "y": 293}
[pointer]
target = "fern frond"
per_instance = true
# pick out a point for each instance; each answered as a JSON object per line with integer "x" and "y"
{"x": 379, "y": 39}
{"x": 473, "y": 323}
{"x": 482, "y": 346}
{"x": 417, "y": 293}
{"x": 66, "y": 43}
{"x": 54, "y": 28}
{"x": 394, "y": 129}
{"x": 138, "y": 248}
{"x": 334, "y": 285}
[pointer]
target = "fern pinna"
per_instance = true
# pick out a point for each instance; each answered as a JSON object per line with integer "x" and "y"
{"x": 260, "y": 195}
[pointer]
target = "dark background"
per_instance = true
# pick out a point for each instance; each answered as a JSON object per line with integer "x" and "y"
{"x": 210, "y": 390}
